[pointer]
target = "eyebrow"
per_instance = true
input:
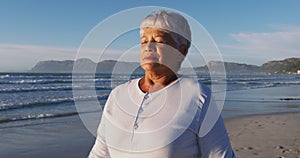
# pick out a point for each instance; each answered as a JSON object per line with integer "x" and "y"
{"x": 157, "y": 35}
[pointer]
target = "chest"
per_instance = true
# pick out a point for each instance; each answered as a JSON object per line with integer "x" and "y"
{"x": 152, "y": 122}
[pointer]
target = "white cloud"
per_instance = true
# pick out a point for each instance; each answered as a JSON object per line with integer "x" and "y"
{"x": 267, "y": 46}
{"x": 16, "y": 57}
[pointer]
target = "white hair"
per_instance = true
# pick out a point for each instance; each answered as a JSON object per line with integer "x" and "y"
{"x": 170, "y": 21}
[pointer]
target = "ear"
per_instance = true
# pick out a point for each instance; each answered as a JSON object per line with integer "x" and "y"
{"x": 183, "y": 49}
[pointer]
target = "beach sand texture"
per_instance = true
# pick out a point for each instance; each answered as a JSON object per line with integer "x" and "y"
{"x": 266, "y": 136}
{"x": 64, "y": 137}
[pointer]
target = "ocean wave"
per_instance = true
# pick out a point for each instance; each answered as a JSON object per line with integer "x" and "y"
{"x": 35, "y": 103}
{"x": 246, "y": 86}
{"x": 51, "y": 88}
{"x": 33, "y": 89}
{"x": 4, "y": 76}
{"x": 246, "y": 78}
{"x": 33, "y": 76}
{"x": 39, "y": 116}
{"x": 4, "y": 106}
{"x": 51, "y": 81}
{"x": 34, "y": 81}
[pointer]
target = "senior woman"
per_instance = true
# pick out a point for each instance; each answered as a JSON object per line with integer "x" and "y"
{"x": 160, "y": 114}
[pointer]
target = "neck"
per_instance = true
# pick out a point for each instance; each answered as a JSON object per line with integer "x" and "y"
{"x": 153, "y": 81}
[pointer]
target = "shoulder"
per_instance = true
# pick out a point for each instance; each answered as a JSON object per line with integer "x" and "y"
{"x": 192, "y": 81}
{"x": 193, "y": 85}
{"x": 123, "y": 88}
{"x": 119, "y": 97}
{"x": 124, "y": 93}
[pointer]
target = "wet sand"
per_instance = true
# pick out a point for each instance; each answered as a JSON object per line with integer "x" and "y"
{"x": 64, "y": 137}
{"x": 261, "y": 136}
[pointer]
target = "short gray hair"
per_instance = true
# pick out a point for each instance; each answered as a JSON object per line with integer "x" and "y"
{"x": 170, "y": 21}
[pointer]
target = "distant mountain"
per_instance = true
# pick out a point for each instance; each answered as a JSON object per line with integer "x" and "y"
{"x": 286, "y": 66}
{"x": 119, "y": 67}
{"x": 233, "y": 68}
{"x": 87, "y": 66}
{"x": 53, "y": 66}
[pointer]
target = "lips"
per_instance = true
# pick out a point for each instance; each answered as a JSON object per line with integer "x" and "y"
{"x": 150, "y": 58}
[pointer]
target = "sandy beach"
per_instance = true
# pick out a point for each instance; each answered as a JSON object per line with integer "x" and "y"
{"x": 266, "y": 136}
{"x": 252, "y": 135}
{"x": 64, "y": 137}
{"x": 261, "y": 136}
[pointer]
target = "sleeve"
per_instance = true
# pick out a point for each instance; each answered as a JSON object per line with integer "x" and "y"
{"x": 215, "y": 143}
{"x": 100, "y": 148}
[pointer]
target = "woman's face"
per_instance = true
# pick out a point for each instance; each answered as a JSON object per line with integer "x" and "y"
{"x": 159, "y": 51}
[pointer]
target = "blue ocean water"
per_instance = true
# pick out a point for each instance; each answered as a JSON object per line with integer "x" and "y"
{"x": 28, "y": 96}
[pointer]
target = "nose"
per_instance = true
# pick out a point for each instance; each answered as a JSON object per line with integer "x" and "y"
{"x": 150, "y": 46}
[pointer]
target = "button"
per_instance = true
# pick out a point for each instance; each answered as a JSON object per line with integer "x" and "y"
{"x": 136, "y": 126}
{"x": 146, "y": 96}
{"x": 141, "y": 110}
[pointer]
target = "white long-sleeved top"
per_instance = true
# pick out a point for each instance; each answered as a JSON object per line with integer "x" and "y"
{"x": 162, "y": 124}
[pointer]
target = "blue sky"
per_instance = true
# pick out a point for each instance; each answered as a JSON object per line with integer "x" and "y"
{"x": 250, "y": 31}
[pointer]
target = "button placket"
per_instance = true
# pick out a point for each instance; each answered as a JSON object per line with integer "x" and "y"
{"x": 140, "y": 110}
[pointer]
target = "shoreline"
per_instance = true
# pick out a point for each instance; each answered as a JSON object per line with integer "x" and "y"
{"x": 228, "y": 119}
{"x": 258, "y": 101}
{"x": 263, "y": 135}
{"x": 262, "y": 126}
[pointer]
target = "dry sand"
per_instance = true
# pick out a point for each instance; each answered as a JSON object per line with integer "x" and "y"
{"x": 265, "y": 136}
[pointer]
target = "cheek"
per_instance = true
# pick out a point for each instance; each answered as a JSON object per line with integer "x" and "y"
{"x": 141, "y": 51}
{"x": 141, "y": 48}
{"x": 166, "y": 51}
{"x": 170, "y": 55}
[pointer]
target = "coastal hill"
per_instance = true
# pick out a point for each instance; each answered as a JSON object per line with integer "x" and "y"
{"x": 234, "y": 68}
{"x": 86, "y": 65}
{"x": 289, "y": 66}
{"x": 286, "y": 66}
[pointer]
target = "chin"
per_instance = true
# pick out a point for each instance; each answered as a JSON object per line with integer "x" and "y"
{"x": 149, "y": 66}
{"x": 156, "y": 67}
